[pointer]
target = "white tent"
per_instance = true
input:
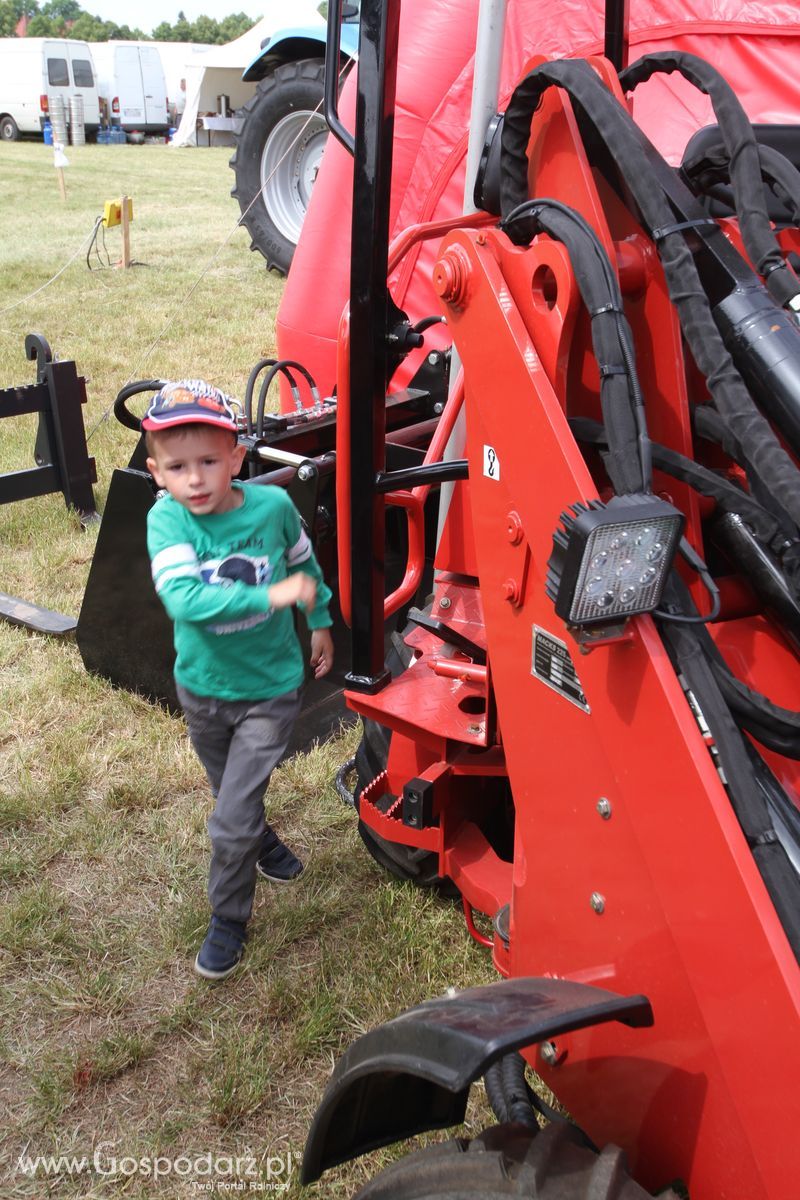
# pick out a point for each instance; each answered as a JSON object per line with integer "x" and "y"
{"x": 217, "y": 71}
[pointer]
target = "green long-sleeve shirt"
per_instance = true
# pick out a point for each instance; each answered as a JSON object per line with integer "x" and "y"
{"x": 212, "y": 574}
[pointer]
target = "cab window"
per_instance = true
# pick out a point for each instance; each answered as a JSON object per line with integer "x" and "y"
{"x": 82, "y": 72}
{"x": 57, "y": 73}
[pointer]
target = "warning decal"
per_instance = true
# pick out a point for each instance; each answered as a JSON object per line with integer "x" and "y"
{"x": 551, "y": 662}
{"x": 491, "y": 463}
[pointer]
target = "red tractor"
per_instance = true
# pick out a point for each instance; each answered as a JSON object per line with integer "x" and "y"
{"x": 591, "y": 729}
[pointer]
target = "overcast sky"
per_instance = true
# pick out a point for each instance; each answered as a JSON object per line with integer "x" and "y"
{"x": 146, "y": 14}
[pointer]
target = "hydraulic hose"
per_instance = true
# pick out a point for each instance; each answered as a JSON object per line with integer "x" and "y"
{"x": 747, "y": 798}
{"x": 707, "y": 172}
{"x": 616, "y": 129}
{"x": 629, "y": 465}
{"x": 745, "y": 163}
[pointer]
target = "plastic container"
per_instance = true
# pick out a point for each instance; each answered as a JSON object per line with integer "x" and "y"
{"x": 47, "y": 131}
{"x": 103, "y": 136}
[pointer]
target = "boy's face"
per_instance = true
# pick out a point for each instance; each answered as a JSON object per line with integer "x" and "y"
{"x": 196, "y": 467}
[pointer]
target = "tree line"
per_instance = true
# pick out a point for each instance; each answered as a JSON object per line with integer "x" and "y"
{"x": 66, "y": 18}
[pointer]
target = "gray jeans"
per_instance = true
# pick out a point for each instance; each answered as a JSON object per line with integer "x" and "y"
{"x": 239, "y": 742}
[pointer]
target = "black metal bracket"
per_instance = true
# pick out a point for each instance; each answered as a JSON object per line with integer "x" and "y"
{"x": 62, "y": 459}
{"x": 414, "y": 1073}
{"x": 450, "y": 636}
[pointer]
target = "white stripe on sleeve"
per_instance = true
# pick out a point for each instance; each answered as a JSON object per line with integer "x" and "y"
{"x": 187, "y": 571}
{"x": 300, "y": 551}
{"x": 181, "y": 554}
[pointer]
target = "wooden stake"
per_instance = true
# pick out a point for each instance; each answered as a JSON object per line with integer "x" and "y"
{"x": 126, "y": 232}
{"x": 62, "y": 187}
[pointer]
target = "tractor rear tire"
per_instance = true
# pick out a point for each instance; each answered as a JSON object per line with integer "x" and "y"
{"x": 509, "y": 1160}
{"x": 278, "y": 151}
{"x": 407, "y": 863}
{"x": 9, "y": 131}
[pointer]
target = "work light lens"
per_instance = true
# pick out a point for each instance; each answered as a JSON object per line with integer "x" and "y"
{"x": 623, "y": 569}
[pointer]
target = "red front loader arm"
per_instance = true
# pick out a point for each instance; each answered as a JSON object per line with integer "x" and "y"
{"x": 629, "y": 868}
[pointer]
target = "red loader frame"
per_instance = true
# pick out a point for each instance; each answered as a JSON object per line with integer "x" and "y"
{"x": 628, "y": 869}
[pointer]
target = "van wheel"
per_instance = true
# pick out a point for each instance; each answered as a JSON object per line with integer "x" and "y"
{"x": 8, "y": 129}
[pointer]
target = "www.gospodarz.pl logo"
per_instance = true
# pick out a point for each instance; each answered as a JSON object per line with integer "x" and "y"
{"x": 200, "y": 1173}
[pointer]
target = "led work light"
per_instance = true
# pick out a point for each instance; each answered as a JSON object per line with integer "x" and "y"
{"x": 611, "y": 561}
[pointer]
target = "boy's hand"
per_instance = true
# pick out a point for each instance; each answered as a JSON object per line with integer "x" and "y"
{"x": 294, "y": 589}
{"x": 321, "y": 652}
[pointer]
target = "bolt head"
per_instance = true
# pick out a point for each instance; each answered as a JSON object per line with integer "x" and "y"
{"x": 450, "y": 276}
{"x": 598, "y": 902}
{"x": 445, "y": 602}
{"x": 511, "y": 591}
{"x": 548, "y": 1052}
{"x": 604, "y": 808}
{"x": 514, "y": 528}
{"x": 305, "y": 473}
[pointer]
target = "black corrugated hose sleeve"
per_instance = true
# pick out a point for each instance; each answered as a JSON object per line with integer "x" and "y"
{"x": 515, "y": 1091}
{"x": 616, "y": 129}
{"x": 600, "y": 293}
{"x": 493, "y": 1082}
{"x": 712, "y": 166}
{"x": 729, "y": 497}
{"x": 747, "y": 798}
{"x": 745, "y": 164}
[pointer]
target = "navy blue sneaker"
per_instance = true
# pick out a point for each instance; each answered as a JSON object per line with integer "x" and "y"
{"x": 276, "y": 861}
{"x": 222, "y": 950}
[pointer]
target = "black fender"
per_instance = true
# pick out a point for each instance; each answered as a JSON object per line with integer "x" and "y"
{"x": 414, "y": 1073}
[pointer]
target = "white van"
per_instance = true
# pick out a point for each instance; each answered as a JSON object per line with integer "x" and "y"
{"x": 33, "y": 71}
{"x": 130, "y": 79}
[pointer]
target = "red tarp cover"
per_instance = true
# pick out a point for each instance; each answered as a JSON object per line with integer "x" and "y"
{"x": 754, "y": 45}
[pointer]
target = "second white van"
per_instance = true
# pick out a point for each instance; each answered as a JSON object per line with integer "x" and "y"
{"x": 130, "y": 79}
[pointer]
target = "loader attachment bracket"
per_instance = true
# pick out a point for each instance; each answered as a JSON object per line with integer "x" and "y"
{"x": 414, "y": 1073}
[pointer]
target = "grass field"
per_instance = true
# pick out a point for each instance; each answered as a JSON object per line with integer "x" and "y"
{"x": 109, "y": 1044}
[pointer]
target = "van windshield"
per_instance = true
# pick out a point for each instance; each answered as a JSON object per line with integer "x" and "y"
{"x": 57, "y": 73}
{"x": 82, "y": 71}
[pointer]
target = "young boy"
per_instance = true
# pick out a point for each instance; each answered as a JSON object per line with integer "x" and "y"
{"x": 229, "y": 562}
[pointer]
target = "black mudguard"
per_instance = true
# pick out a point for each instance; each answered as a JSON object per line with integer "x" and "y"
{"x": 414, "y": 1073}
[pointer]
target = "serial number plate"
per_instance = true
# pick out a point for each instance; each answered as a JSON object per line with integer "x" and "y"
{"x": 552, "y": 663}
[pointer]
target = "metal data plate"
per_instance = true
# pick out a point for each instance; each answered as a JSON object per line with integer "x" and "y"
{"x": 552, "y": 662}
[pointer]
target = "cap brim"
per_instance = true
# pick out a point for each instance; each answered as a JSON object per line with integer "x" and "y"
{"x": 171, "y": 422}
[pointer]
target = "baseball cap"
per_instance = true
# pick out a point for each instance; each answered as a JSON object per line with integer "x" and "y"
{"x": 187, "y": 402}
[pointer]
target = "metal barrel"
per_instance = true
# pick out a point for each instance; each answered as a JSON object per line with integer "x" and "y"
{"x": 58, "y": 119}
{"x": 77, "y": 129}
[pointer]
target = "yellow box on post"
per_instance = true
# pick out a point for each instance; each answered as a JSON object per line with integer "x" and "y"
{"x": 112, "y": 212}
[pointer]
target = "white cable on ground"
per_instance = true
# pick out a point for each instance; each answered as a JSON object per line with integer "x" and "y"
{"x": 80, "y": 250}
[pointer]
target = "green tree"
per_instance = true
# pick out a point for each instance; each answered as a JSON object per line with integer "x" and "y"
{"x": 9, "y": 15}
{"x": 234, "y": 26}
{"x": 88, "y": 29}
{"x": 62, "y": 10}
{"x": 42, "y": 26}
{"x": 205, "y": 30}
